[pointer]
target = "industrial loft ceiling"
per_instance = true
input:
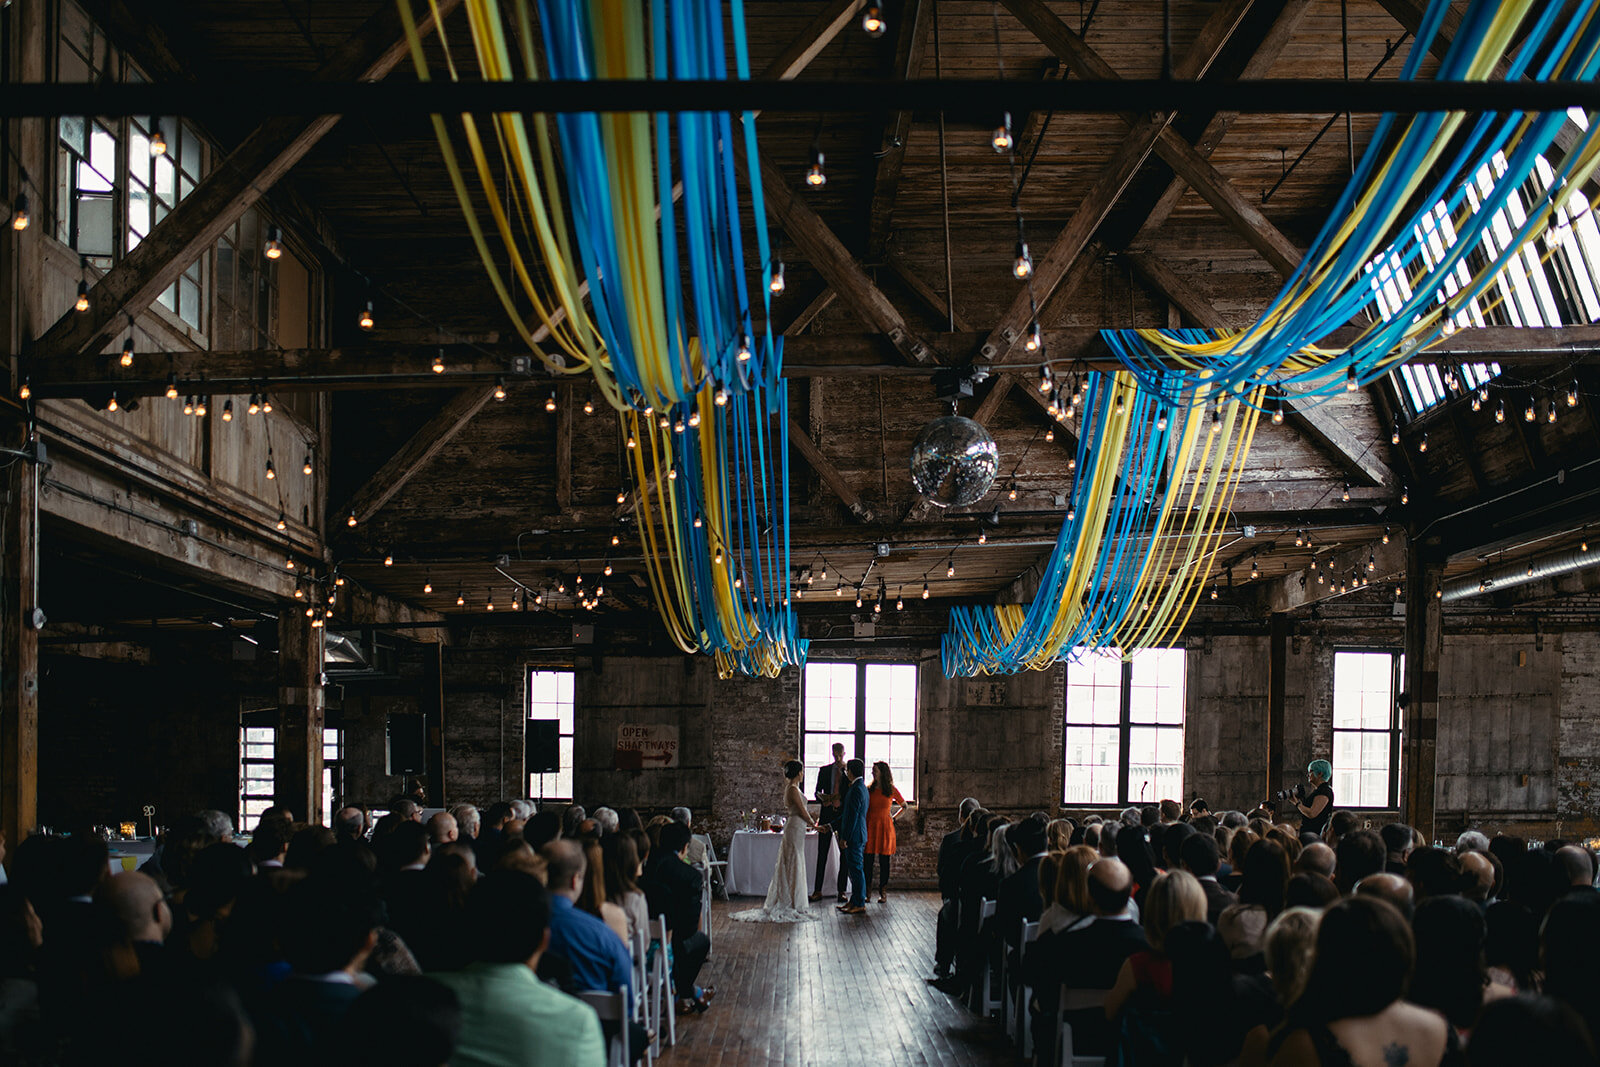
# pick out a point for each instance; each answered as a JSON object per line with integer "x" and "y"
{"x": 1227, "y": 318}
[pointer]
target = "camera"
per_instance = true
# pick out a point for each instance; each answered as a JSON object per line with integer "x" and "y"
{"x": 1295, "y": 792}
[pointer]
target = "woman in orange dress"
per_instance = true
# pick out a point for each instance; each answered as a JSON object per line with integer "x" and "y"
{"x": 884, "y": 805}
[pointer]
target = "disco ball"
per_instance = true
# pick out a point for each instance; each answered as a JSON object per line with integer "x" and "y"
{"x": 954, "y": 461}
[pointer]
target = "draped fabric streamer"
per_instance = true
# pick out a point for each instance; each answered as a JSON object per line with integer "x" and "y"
{"x": 1131, "y": 561}
{"x": 700, "y": 398}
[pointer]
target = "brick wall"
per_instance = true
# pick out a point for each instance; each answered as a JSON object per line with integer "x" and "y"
{"x": 1578, "y": 735}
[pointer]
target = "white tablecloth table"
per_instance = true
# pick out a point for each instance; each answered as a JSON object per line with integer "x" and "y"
{"x": 752, "y": 857}
{"x": 135, "y": 851}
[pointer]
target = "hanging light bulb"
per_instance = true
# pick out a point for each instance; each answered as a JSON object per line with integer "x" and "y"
{"x": 1299, "y": 539}
{"x": 631, "y": 442}
{"x": 1052, "y": 410}
{"x": 283, "y": 522}
{"x": 1350, "y": 382}
{"x": 1050, "y": 434}
{"x": 816, "y": 177}
{"x": 82, "y": 303}
{"x": 838, "y": 590}
{"x": 858, "y": 595}
{"x": 1386, "y": 535}
{"x": 188, "y": 405}
{"x": 1394, "y": 432}
{"x": 427, "y": 585}
{"x": 1022, "y": 266}
{"x": 299, "y": 592}
{"x": 437, "y": 366}
{"x": 489, "y": 602}
{"x": 1161, "y": 421}
{"x": 1528, "y": 413}
{"x": 1322, "y": 579}
{"x": 616, "y": 539}
{"x": 1012, "y": 495}
{"x": 1550, "y": 411}
{"x": 538, "y": 598}
{"x": 338, "y": 580}
{"x": 1213, "y": 590}
{"x": 1277, "y": 412}
{"x": 111, "y": 405}
{"x": 499, "y": 388}
{"x": 744, "y": 348}
{"x": 172, "y": 387}
{"x": 622, "y": 496}
{"x": 925, "y": 593}
{"x": 983, "y": 537}
{"x": 1002, "y": 140}
{"x": 254, "y": 407}
{"x": 1313, "y": 562}
{"x": 1447, "y": 324}
{"x": 1216, "y": 418}
{"x": 672, "y": 473}
{"x": 721, "y": 396}
{"x": 158, "y": 141}
{"x": 1372, "y": 562}
{"x": 274, "y": 247}
{"x": 364, "y": 320}
{"x": 699, "y": 520}
{"x": 1572, "y": 394}
{"x": 305, "y": 466}
{"x": 550, "y": 404}
{"x": 19, "y": 213}
{"x": 127, "y": 351}
{"x": 1122, "y": 406}
{"x": 266, "y": 404}
{"x": 1422, "y": 445}
{"x": 678, "y": 425}
{"x": 1477, "y": 402}
{"x": 289, "y": 563}
{"x": 1500, "y": 412}
{"x": 271, "y": 474}
{"x": 694, "y": 417}
{"x": 1405, "y": 495}
{"x": 872, "y": 21}
{"x": 606, "y": 570}
{"x": 1033, "y": 341}
{"x": 227, "y": 410}
{"x": 1072, "y": 513}
{"x": 1255, "y": 571}
{"x": 666, "y": 421}
{"x": 776, "y": 284}
{"x": 25, "y": 391}
{"x": 950, "y": 571}
{"x": 877, "y": 607}
{"x": 716, "y": 557}
{"x": 351, "y": 521}
{"x": 388, "y": 559}
{"x": 899, "y": 602}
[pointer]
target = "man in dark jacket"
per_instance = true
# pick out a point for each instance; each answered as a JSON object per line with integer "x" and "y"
{"x": 953, "y": 850}
{"x": 1198, "y": 854}
{"x": 1020, "y": 899}
{"x": 852, "y": 831}
{"x": 673, "y": 888}
{"x": 829, "y": 795}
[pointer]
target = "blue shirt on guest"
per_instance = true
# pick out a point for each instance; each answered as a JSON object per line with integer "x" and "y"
{"x": 599, "y": 959}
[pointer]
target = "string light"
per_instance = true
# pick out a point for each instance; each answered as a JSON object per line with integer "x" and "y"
{"x": 550, "y": 404}
{"x": 588, "y": 405}
{"x": 188, "y": 405}
{"x": 872, "y": 21}
{"x": 427, "y": 585}
{"x": 1528, "y": 414}
{"x": 744, "y": 348}
{"x": 694, "y": 418}
{"x": 437, "y": 366}
{"x": 721, "y": 396}
{"x": 305, "y": 465}
{"x": 925, "y": 593}
{"x": 622, "y": 496}
{"x": 666, "y": 421}
{"x": 672, "y": 473}
{"x": 899, "y": 601}
{"x": 127, "y": 348}
{"x": 858, "y": 594}
{"x": 227, "y": 410}
{"x": 699, "y": 520}
{"x": 1012, "y": 495}
{"x": 266, "y": 404}
{"x": 1394, "y": 431}
{"x": 777, "y": 284}
{"x": 158, "y": 141}
{"x": 26, "y": 390}
{"x": 1122, "y": 407}
{"x": 489, "y": 603}
{"x": 499, "y": 388}
{"x": 1350, "y": 382}
{"x": 283, "y": 522}
{"x": 1572, "y": 394}
{"x": 1372, "y": 561}
{"x": 1216, "y": 418}
{"x": 616, "y": 539}
{"x": 1405, "y": 495}
{"x": 1002, "y": 140}
{"x": 461, "y": 599}
{"x": 1255, "y": 571}
{"x": 1213, "y": 590}
{"x": 1422, "y": 445}
{"x": 274, "y": 247}
{"x": 388, "y": 559}
{"x": 82, "y": 303}
{"x": 1386, "y": 535}
{"x": 201, "y": 405}
{"x": 1022, "y": 266}
{"x": 983, "y": 537}
{"x": 1299, "y": 539}
{"x": 816, "y": 177}
{"x": 111, "y": 405}
{"x": 364, "y": 320}
{"x": 606, "y": 570}
{"x": 271, "y": 474}
{"x": 678, "y": 425}
{"x": 1050, "y": 434}
{"x": 289, "y": 563}
{"x": 19, "y": 213}
{"x": 1277, "y": 412}
{"x": 1161, "y": 421}
{"x": 254, "y": 407}
{"x": 1477, "y": 402}
{"x": 950, "y": 571}
{"x": 1550, "y": 411}
{"x": 351, "y": 521}
{"x": 1500, "y": 412}
{"x": 631, "y": 444}
{"x": 299, "y": 591}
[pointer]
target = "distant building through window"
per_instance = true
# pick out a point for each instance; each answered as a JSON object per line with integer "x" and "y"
{"x": 1123, "y": 737}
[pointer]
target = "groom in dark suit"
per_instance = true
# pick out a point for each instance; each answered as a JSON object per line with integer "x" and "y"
{"x": 830, "y": 795}
{"x": 852, "y": 832}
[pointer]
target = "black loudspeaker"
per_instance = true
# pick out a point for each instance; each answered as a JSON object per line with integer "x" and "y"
{"x": 405, "y": 749}
{"x": 543, "y": 752}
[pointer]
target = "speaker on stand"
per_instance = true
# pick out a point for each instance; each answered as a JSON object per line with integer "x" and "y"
{"x": 542, "y": 750}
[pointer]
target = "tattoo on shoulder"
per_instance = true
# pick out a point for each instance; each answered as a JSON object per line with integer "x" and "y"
{"x": 1396, "y": 1055}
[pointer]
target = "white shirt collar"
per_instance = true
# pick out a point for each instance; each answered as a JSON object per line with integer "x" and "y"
{"x": 332, "y": 978}
{"x": 414, "y": 867}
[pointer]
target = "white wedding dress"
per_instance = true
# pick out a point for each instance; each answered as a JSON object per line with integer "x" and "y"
{"x": 786, "y": 895}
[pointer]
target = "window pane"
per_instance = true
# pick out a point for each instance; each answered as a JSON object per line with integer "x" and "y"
{"x": 1155, "y": 764}
{"x": 830, "y": 696}
{"x": 817, "y": 752}
{"x": 899, "y": 751}
{"x": 1092, "y": 759}
{"x": 891, "y": 696}
{"x": 1094, "y": 687}
{"x": 1363, "y": 685}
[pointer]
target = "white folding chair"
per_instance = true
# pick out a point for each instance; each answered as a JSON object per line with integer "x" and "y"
{"x": 992, "y": 999}
{"x": 718, "y": 869}
{"x": 644, "y": 999}
{"x": 1077, "y": 1000}
{"x": 705, "y": 902}
{"x": 612, "y": 1008}
{"x": 666, "y": 1002}
{"x": 1022, "y": 1032}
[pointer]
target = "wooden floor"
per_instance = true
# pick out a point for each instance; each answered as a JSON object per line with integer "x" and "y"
{"x": 846, "y": 989}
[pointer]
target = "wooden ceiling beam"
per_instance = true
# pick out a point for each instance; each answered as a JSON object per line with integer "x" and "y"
{"x": 810, "y": 42}
{"x": 830, "y": 474}
{"x": 234, "y": 184}
{"x": 1287, "y": 594}
{"x": 1074, "y": 239}
{"x": 910, "y": 48}
{"x": 1186, "y": 161}
{"x": 415, "y": 454}
{"x": 833, "y": 355}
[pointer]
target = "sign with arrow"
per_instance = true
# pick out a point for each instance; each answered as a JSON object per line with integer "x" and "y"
{"x": 642, "y": 745}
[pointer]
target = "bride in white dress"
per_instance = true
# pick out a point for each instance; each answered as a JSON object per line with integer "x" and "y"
{"x": 786, "y": 895}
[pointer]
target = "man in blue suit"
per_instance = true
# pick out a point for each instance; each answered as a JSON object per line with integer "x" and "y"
{"x": 852, "y": 832}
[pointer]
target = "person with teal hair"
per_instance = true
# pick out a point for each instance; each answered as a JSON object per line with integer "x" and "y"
{"x": 1316, "y": 805}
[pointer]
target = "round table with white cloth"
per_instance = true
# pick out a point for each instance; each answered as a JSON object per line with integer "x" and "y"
{"x": 753, "y": 856}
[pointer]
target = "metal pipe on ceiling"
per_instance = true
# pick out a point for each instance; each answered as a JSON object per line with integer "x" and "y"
{"x": 962, "y": 96}
{"x": 1523, "y": 572}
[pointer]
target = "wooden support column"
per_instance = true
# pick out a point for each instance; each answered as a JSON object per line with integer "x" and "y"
{"x": 1277, "y": 698}
{"x": 297, "y": 770}
{"x": 1424, "y": 640}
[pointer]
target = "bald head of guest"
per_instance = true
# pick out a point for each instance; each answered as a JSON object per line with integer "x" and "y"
{"x": 1477, "y": 875}
{"x": 442, "y": 828}
{"x": 1110, "y": 886}
{"x": 139, "y": 905}
{"x": 1576, "y": 865}
{"x": 1316, "y": 859}
{"x": 1391, "y": 887}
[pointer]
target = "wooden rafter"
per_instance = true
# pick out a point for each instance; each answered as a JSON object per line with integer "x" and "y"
{"x": 910, "y": 47}
{"x": 830, "y": 474}
{"x": 415, "y": 454}
{"x": 1185, "y": 160}
{"x": 233, "y": 185}
{"x": 1286, "y": 593}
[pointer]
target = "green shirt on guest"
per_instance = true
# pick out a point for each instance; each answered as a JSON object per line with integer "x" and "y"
{"x": 509, "y": 1018}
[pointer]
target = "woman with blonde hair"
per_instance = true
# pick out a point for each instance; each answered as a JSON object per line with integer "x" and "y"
{"x": 1289, "y": 945}
{"x": 1069, "y": 895}
{"x": 1175, "y": 898}
{"x": 1058, "y": 834}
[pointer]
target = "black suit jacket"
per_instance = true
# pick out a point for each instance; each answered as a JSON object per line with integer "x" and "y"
{"x": 1217, "y": 899}
{"x": 829, "y": 780}
{"x": 673, "y": 888}
{"x": 952, "y": 852}
{"x": 1088, "y": 957}
{"x": 1019, "y": 899}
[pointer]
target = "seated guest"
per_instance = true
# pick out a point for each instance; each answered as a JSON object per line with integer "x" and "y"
{"x": 1471, "y": 841}
{"x": 1342, "y": 822}
{"x": 1058, "y": 834}
{"x": 620, "y": 857}
{"x": 467, "y": 823}
{"x": 1477, "y": 877}
{"x": 571, "y": 819}
{"x": 1398, "y": 841}
{"x": 1199, "y": 855}
{"x": 673, "y": 888}
{"x": 1288, "y": 947}
{"x": 403, "y": 857}
{"x": 1360, "y": 853}
{"x": 1108, "y": 837}
{"x": 1433, "y": 872}
{"x": 506, "y": 1012}
{"x": 1171, "y": 811}
{"x": 979, "y": 881}
{"x": 442, "y": 829}
{"x": 1266, "y": 876}
{"x": 594, "y": 956}
{"x": 270, "y": 845}
{"x": 954, "y": 848}
{"x": 1238, "y": 847}
{"x": 1069, "y": 905}
{"x": 1578, "y": 866}
{"x": 628, "y": 819}
{"x": 1019, "y": 899}
{"x": 492, "y": 835}
{"x": 542, "y": 829}
{"x": 592, "y": 896}
{"x": 1566, "y": 948}
{"x": 606, "y": 821}
{"x": 1450, "y": 976}
{"x": 1530, "y": 1029}
{"x": 1390, "y": 887}
{"x": 1147, "y": 973}
{"x": 1172, "y": 838}
{"x": 401, "y": 1022}
{"x": 330, "y": 930}
{"x": 1316, "y": 858}
{"x": 1310, "y": 891}
{"x": 142, "y": 913}
{"x": 1351, "y": 1010}
{"x": 350, "y": 824}
{"x": 306, "y": 845}
{"x": 697, "y": 847}
{"x": 405, "y": 809}
{"x": 1133, "y": 850}
{"x": 1089, "y": 957}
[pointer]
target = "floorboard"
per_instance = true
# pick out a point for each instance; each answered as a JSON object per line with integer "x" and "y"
{"x": 848, "y": 988}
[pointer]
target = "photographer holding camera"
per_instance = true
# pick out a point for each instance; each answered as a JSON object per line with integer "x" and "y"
{"x": 1316, "y": 801}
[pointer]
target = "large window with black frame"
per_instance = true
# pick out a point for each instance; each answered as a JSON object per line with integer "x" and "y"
{"x": 870, "y": 708}
{"x": 1366, "y": 727}
{"x": 1123, "y": 734}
